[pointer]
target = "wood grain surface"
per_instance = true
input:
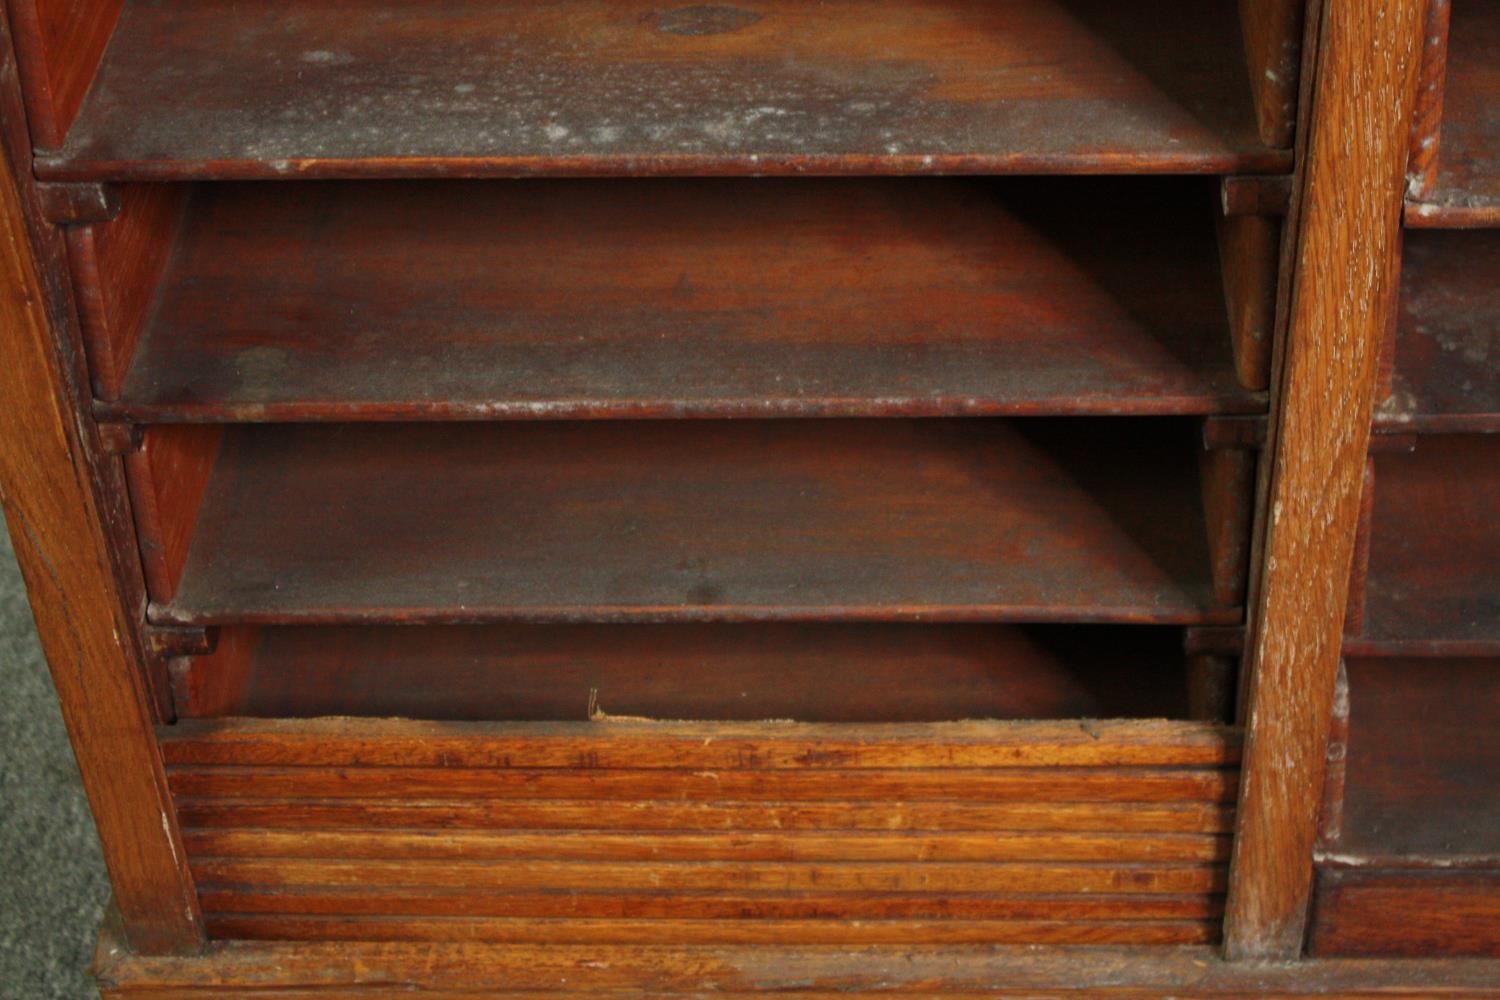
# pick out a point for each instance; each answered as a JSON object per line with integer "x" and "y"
{"x": 1033, "y": 520}
{"x": 59, "y": 44}
{"x": 311, "y": 971}
{"x": 620, "y": 832}
{"x": 813, "y": 672}
{"x": 918, "y": 297}
{"x": 1406, "y": 913}
{"x": 59, "y": 532}
{"x": 1349, "y": 207}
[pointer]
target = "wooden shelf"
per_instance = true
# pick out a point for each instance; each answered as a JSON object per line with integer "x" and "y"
{"x": 214, "y": 88}
{"x": 1434, "y": 574}
{"x": 1446, "y": 373}
{"x": 728, "y": 520}
{"x": 1466, "y": 190}
{"x": 866, "y": 672}
{"x": 702, "y": 298}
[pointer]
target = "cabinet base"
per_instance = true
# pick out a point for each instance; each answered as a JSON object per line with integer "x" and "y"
{"x": 368, "y": 969}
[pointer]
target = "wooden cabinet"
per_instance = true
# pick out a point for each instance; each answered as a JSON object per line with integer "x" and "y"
{"x": 573, "y": 497}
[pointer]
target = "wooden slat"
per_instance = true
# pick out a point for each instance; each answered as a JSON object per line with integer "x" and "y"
{"x": 1047, "y": 784}
{"x": 659, "y": 905}
{"x": 1019, "y": 877}
{"x": 809, "y": 672}
{"x": 466, "y": 814}
{"x": 1417, "y": 914}
{"x": 744, "y": 747}
{"x": 1466, "y": 188}
{"x": 235, "y": 926}
{"x": 480, "y": 87}
{"x": 695, "y": 298}
{"x": 703, "y": 520}
{"x": 1445, "y": 375}
{"x": 397, "y": 845}
{"x": 307, "y": 970}
{"x": 1352, "y": 160}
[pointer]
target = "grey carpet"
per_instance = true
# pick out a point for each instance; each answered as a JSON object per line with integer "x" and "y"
{"x": 52, "y": 882}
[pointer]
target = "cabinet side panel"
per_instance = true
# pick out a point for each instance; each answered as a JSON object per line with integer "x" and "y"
{"x": 59, "y": 532}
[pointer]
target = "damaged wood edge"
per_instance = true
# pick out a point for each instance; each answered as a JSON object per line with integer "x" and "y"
{"x": 1331, "y": 816}
{"x": 1241, "y": 195}
{"x": 1427, "y": 116}
{"x": 79, "y": 203}
{"x": 173, "y": 642}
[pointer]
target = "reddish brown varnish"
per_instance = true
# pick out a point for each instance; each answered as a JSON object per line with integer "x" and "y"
{"x": 1413, "y": 865}
{"x": 698, "y": 298}
{"x": 811, "y": 673}
{"x": 1434, "y": 556}
{"x": 500, "y": 88}
{"x": 116, "y": 268}
{"x": 59, "y": 44}
{"x": 1422, "y": 770}
{"x": 1412, "y": 913}
{"x": 719, "y": 520}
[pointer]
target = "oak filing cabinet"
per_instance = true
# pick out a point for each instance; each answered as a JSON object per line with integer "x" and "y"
{"x": 905, "y": 496}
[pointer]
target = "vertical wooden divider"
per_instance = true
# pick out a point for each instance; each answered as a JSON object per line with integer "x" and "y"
{"x": 1348, "y": 209}
{"x": 59, "y": 528}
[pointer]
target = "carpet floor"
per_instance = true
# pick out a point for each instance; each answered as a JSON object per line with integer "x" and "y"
{"x": 52, "y": 882}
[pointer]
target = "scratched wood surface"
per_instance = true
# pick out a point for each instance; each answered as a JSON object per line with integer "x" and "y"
{"x": 578, "y": 298}
{"x": 581, "y": 86}
{"x": 807, "y": 672}
{"x": 1348, "y": 204}
{"x": 722, "y": 520}
{"x": 311, "y": 971}
{"x": 674, "y": 831}
{"x": 1465, "y": 189}
{"x": 1445, "y": 368}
